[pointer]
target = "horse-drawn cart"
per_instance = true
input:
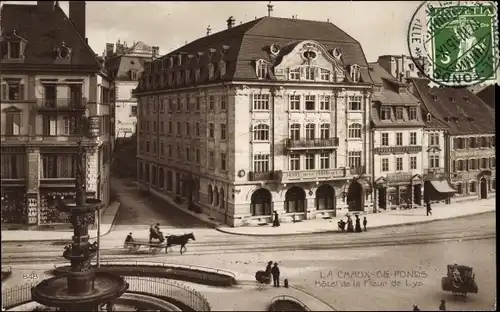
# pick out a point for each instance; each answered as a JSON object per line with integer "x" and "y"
{"x": 154, "y": 247}
{"x": 460, "y": 280}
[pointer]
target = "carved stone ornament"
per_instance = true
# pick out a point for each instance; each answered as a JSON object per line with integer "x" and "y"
{"x": 279, "y": 91}
{"x": 83, "y": 220}
{"x": 243, "y": 90}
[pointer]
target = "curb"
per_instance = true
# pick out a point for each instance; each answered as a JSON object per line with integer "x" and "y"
{"x": 69, "y": 239}
{"x": 337, "y": 232}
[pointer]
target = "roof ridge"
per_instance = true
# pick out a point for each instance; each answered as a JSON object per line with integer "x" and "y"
{"x": 94, "y": 55}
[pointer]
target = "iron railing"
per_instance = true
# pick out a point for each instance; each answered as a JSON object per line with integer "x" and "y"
{"x": 309, "y": 143}
{"x": 21, "y": 294}
{"x": 16, "y": 295}
{"x": 61, "y": 103}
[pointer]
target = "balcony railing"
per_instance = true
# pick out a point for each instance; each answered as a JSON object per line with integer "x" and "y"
{"x": 301, "y": 175}
{"x": 262, "y": 176}
{"x": 62, "y": 104}
{"x": 358, "y": 170}
{"x": 312, "y": 143}
{"x": 57, "y": 182}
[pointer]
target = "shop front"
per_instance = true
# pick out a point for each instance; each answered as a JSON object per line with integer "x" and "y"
{"x": 437, "y": 187}
{"x": 397, "y": 190}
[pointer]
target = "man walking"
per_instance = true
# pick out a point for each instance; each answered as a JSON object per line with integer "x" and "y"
{"x": 275, "y": 272}
{"x": 365, "y": 222}
{"x": 429, "y": 209}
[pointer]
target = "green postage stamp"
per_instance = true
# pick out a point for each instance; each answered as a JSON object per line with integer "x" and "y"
{"x": 458, "y": 41}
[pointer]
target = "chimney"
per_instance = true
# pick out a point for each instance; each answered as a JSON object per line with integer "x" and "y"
{"x": 156, "y": 51}
{"x": 45, "y": 6}
{"x": 269, "y": 9}
{"x": 119, "y": 48}
{"x": 209, "y": 30}
{"x": 110, "y": 49}
{"x": 77, "y": 16}
{"x": 230, "y": 22}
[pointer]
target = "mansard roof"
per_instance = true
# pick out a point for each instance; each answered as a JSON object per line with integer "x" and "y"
{"x": 44, "y": 31}
{"x": 459, "y": 108}
{"x": 250, "y": 41}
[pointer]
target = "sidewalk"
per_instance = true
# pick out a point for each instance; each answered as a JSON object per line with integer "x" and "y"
{"x": 384, "y": 219}
{"x": 107, "y": 220}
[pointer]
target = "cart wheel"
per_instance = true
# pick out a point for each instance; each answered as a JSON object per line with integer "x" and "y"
{"x": 155, "y": 250}
{"x": 136, "y": 247}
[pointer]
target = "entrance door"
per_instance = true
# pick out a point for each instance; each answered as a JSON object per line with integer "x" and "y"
{"x": 355, "y": 196}
{"x": 417, "y": 194}
{"x": 484, "y": 189}
{"x": 382, "y": 198}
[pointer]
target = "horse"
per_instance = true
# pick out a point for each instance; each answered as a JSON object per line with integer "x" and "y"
{"x": 182, "y": 240}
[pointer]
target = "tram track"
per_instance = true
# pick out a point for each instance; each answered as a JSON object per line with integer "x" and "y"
{"x": 118, "y": 254}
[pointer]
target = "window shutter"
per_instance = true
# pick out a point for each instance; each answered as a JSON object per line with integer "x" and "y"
{"x": 4, "y": 91}
{"x": 21, "y": 92}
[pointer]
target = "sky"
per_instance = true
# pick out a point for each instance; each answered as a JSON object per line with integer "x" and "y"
{"x": 380, "y": 27}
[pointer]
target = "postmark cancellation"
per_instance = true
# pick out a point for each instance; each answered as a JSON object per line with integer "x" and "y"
{"x": 456, "y": 42}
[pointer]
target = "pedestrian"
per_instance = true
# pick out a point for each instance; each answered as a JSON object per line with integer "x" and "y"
{"x": 358, "y": 225}
{"x": 350, "y": 228}
{"x": 415, "y": 308}
{"x": 442, "y": 306}
{"x": 365, "y": 222}
{"x": 429, "y": 209}
{"x": 276, "y": 221}
{"x": 268, "y": 268}
{"x": 275, "y": 271}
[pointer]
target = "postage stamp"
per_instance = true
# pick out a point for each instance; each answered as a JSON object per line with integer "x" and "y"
{"x": 457, "y": 41}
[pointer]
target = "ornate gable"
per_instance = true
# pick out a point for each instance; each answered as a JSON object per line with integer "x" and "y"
{"x": 309, "y": 54}
{"x": 11, "y": 110}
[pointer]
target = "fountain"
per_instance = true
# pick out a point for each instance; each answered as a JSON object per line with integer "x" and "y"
{"x": 81, "y": 289}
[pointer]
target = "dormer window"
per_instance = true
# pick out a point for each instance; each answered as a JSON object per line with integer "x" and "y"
{"x": 399, "y": 113}
{"x": 222, "y": 69}
{"x": 179, "y": 77}
{"x": 210, "y": 71}
{"x": 385, "y": 113}
{"x": 434, "y": 98}
{"x": 324, "y": 75}
{"x": 15, "y": 50}
{"x": 190, "y": 58}
{"x": 452, "y": 99}
{"x": 261, "y": 69}
{"x": 429, "y": 117}
{"x": 163, "y": 64}
{"x": 198, "y": 56}
{"x": 15, "y": 46}
{"x": 337, "y": 53}
{"x": 188, "y": 75}
{"x": 354, "y": 73}
{"x": 466, "y": 98}
{"x": 309, "y": 73}
{"x": 171, "y": 62}
{"x": 294, "y": 74}
{"x": 133, "y": 74}
{"x": 211, "y": 52}
{"x": 179, "y": 60}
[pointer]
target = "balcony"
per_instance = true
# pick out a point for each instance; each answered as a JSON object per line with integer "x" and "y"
{"x": 312, "y": 175}
{"x": 311, "y": 144}
{"x": 358, "y": 170}
{"x": 43, "y": 140}
{"x": 63, "y": 105}
{"x": 262, "y": 176}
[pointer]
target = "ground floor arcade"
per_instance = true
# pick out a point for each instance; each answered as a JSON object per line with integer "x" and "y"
{"x": 251, "y": 203}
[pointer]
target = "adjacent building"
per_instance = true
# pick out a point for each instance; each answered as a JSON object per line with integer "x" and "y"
{"x": 50, "y": 79}
{"x": 398, "y": 140}
{"x": 125, "y": 64}
{"x": 270, "y": 115}
{"x": 469, "y": 161}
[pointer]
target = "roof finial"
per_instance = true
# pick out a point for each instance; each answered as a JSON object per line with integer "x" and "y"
{"x": 269, "y": 9}
{"x": 209, "y": 30}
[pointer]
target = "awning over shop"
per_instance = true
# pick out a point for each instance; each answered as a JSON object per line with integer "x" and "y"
{"x": 443, "y": 186}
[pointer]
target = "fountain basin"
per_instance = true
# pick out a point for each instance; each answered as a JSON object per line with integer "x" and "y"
{"x": 54, "y": 292}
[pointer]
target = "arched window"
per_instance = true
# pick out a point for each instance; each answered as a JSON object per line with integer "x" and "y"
{"x": 325, "y": 131}
{"x": 295, "y": 200}
{"x": 210, "y": 194}
{"x": 460, "y": 165}
{"x": 211, "y": 130}
{"x": 222, "y": 199}
{"x": 354, "y": 73}
{"x": 261, "y": 69}
{"x": 493, "y": 162}
{"x": 310, "y": 131}
{"x": 429, "y": 117}
{"x": 216, "y": 196}
{"x": 355, "y": 131}
{"x": 472, "y": 187}
{"x": 261, "y": 203}
{"x": 484, "y": 163}
{"x": 261, "y": 132}
{"x": 460, "y": 188}
{"x": 295, "y": 132}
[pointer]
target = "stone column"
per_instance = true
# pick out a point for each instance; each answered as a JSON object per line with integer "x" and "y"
{"x": 310, "y": 205}
{"x": 33, "y": 186}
